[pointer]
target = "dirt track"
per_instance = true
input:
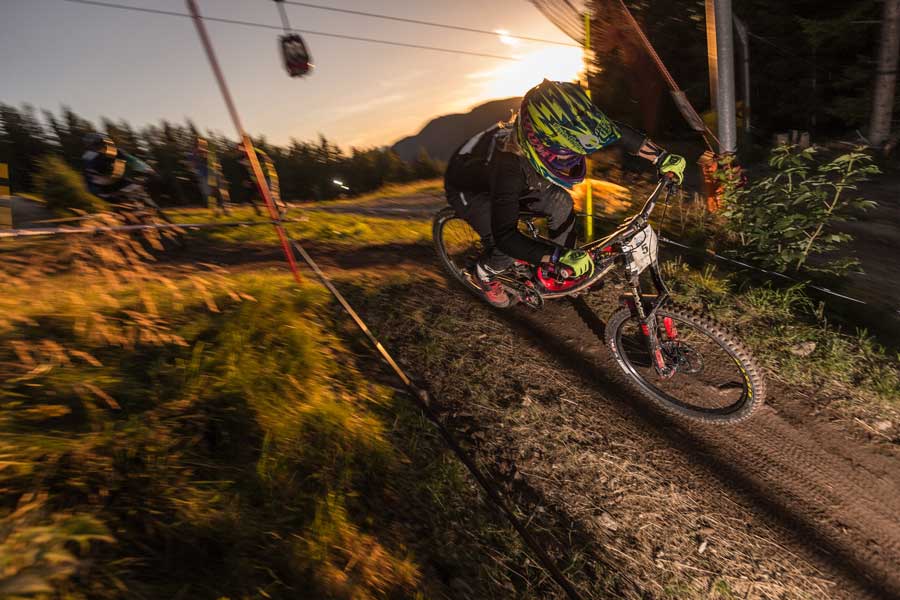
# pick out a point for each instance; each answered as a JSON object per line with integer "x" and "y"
{"x": 822, "y": 508}
{"x": 786, "y": 505}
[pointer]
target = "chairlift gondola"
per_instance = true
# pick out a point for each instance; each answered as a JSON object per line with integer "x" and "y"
{"x": 294, "y": 53}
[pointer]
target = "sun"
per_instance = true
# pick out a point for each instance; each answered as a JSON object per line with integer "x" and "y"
{"x": 560, "y": 63}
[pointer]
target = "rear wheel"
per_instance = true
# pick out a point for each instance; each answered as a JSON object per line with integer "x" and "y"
{"x": 458, "y": 246}
{"x": 715, "y": 379}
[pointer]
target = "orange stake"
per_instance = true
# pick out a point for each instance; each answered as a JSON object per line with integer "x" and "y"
{"x": 245, "y": 139}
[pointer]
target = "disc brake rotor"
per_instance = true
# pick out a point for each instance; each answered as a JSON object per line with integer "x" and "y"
{"x": 682, "y": 357}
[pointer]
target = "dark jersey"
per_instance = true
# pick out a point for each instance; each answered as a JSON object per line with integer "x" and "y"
{"x": 479, "y": 166}
{"x": 106, "y": 176}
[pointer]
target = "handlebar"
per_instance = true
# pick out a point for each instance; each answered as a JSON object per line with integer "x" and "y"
{"x": 638, "y": 221}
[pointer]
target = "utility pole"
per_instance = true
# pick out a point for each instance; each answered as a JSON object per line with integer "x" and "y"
{"x": 720, "y": 50}
{"x": 886, "y": 74}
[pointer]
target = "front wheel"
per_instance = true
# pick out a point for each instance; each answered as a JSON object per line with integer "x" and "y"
{"x": 714, "y": 377}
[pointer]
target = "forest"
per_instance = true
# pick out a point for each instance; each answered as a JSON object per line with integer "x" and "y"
{"x": 307, "y": 170}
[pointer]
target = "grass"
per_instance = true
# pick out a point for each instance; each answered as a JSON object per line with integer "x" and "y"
{"x": 339, "y": 229}
{"x": 164, "y": 438}
{"x": 213, "y": 435}
{"x": 794, "y": 339}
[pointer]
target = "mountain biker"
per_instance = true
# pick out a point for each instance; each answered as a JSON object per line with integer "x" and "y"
{"x": 208, "y": 170}
{"x": 113, "y": 174}
{"x": 530, "y": 163}
{"x": 270, "y": 174}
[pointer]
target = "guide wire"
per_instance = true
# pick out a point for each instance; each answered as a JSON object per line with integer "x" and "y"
{"x": 420, "y": 395}
{"x": 170, "y": 13}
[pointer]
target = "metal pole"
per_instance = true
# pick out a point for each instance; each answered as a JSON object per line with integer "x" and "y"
{"x": 589, "y": 193}
{"x": 725, "y": 96}
{"x": 741, "y": 29}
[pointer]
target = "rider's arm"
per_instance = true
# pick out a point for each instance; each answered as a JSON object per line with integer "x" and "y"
{"x": 507, "y": 186}
{"x": 635, "y": 142}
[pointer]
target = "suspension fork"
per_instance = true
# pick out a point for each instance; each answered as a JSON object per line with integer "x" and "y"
{"x": 648, "y": 323}
{"x": 663, "y": 291}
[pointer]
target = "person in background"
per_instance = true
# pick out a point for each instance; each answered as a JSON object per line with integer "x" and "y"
{"x": 206, "y": 167}
{"x": 114, "y": 175}
{"x": 270, "y": 174}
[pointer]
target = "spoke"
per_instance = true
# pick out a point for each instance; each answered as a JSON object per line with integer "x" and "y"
{"x": 709, "y": 378}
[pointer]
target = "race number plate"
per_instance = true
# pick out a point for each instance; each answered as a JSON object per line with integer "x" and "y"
{"x": 642, "y": 250}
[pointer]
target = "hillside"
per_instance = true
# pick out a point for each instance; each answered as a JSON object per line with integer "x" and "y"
{"x": 442, "y": 135}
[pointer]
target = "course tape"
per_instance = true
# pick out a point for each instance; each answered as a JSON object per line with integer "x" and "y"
{"x": 744, "y": 265}
{"x": 423, "y": 402}
{"x": 51, "y": 231}
{"x": 741, "y": 264}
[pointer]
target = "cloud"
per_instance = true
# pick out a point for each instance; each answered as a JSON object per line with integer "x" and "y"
{"x": 373, "y": 103}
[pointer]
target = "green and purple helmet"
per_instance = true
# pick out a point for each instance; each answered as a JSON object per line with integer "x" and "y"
{"x": 558, "y": 126}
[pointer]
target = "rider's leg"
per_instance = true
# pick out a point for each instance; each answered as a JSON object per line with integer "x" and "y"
{"x": 280, "y": 205}
{"x": 556, "y": 203}
{"x": 476, "y": 210}
{"x": 251, "y": 198}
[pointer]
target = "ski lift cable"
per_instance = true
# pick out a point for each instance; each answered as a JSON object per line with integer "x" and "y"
{"x": 171, "y": 13}
{"x": 282, "y": 11}
{"x": 421, "y": 22}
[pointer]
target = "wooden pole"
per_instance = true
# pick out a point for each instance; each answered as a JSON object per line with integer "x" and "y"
{"x": 6, "y": 221}
{"x": 712, "y": 58}
{"x": 247, "y": 144}
{"x": 886, "y": 74}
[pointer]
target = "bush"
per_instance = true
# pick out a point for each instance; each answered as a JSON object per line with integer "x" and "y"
{"x": 785, "y": 219}
{"x": 63, "y": 189}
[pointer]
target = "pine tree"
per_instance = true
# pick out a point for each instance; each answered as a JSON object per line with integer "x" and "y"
{"x": 24, "y": 142}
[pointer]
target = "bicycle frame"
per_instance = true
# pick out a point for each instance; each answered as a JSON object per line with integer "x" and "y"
{"x": 610, "y": 252}
{"x": 606, "y": 250}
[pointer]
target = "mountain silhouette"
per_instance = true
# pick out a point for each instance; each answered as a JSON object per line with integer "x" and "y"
{"x": 442, "y": 135}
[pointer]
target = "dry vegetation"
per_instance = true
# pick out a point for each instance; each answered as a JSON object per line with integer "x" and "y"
{"x": 197, "y": 434}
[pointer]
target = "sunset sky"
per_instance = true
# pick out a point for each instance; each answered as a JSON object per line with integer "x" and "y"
{"x": 143, "y": 67}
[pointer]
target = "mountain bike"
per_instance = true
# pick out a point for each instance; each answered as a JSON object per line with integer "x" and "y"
{"x": 681, "y": 360}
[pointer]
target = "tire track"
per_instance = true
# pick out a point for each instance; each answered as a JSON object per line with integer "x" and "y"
{"x": 854, "y": 511}
{"x": 832, "y": 499}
